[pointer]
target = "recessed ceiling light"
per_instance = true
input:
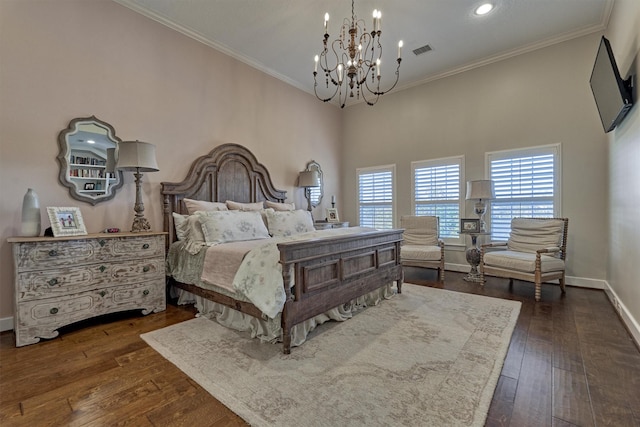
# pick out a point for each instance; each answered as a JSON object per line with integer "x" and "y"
{"x": 484, "y": 9}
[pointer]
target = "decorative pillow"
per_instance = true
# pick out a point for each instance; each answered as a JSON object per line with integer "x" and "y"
{"x": 232, "y": 226}
{"x": 236, "y": 206}
{"x": 191, "y": 230}
{"x": 288, "y": 223}
{"x": 280, "y": 206}
{"x": 200, "y": 205}
{"x": 178, "y": 220}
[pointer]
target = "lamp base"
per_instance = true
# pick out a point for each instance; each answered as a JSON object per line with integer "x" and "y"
{"x": 140, "y": 224}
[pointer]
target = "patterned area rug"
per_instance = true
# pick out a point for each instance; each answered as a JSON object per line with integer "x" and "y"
{"x": 427, "y": 357}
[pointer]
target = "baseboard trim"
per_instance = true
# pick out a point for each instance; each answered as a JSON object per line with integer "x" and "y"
{"x": 627, "y": 318}
{"x": 6, "y": 324}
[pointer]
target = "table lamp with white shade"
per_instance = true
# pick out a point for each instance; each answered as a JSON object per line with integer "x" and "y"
{"x": 480, "y": 190}
{"x": 138, "y": 157}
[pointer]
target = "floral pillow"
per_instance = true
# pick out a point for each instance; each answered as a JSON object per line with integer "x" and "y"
{"x": 288, "y": 223}
{"x": 200, "y": 205}
{"x": 232, "y": 226}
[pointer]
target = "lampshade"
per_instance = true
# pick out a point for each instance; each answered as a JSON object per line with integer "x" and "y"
{"x": 138, "y": 155}
{"x": 309, "y": 179}
{"x": 111, "y": 160}
{"x": 481, "y": 189}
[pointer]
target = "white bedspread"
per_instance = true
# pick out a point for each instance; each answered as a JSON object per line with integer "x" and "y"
{"x": 259, "y": 274}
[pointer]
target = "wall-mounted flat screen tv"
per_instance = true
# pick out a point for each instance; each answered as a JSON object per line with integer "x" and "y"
{"x": 612, "y": 93}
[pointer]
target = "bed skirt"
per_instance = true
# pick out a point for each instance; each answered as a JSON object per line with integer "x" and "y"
{"x": 270, "y": 330}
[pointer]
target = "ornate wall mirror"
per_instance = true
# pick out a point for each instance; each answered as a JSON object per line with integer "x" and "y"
{"x": 88, "y": 154}
{"x": 314, "y": 195}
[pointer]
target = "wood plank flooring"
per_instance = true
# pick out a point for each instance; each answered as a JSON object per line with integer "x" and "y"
{"x": 571, "y": 362}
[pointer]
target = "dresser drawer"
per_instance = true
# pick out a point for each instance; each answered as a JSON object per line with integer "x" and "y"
{"x": 43, "y": 255}
{"x": 69, "y": 280}
{"x": 41, "y": 318}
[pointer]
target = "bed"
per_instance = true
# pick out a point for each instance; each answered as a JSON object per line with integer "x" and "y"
{"x": 326, "y": 271}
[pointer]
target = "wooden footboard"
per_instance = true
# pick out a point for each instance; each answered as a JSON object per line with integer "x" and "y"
{"x": 327, "y": 272}
{"x": 332, "y": 271}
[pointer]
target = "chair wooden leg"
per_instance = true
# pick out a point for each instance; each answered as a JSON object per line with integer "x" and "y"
{"x": 538, "y": 291}
{"x": 562, "y": 283}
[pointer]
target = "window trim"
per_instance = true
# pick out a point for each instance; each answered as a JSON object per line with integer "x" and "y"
{"x": 442, "y": 161}
{"x": 374, "y": 169}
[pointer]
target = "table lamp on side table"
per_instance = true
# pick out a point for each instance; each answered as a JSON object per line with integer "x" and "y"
{"x": 481, "y": 190}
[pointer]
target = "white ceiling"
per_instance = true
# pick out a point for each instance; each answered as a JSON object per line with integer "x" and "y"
{"x": 281, "y": 37}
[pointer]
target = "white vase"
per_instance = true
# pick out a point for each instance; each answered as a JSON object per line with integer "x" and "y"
{"x": 30, "y": 214}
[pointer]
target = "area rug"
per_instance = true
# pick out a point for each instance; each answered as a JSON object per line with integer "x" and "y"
{"x": 427, "y": 357}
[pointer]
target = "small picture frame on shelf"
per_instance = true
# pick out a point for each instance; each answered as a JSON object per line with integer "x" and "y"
{"x": 66, "y": 221}
{"x": 89, "y": 186}
{"x": 469, "y": 225}
{"x": 332, "y": 215}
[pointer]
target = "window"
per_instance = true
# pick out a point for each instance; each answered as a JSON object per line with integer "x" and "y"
{"x": 375, "y": 196}
{"x": 527, "y": 183}
{"x": 436, "y": 191}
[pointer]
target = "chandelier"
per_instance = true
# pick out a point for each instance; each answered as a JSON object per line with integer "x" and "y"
{"x": 355, "y": 64}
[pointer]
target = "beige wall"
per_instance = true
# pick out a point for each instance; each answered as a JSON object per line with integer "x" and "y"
{"x": 538, "y": 98}
{"x": 624, "y": 167}
{"x": 73, "y": 58}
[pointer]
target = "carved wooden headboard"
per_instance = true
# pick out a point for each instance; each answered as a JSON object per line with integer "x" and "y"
{"x": 228, "y": 172}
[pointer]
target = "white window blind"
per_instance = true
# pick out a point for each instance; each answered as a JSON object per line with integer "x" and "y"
{"x": 527, "y": 184}
{"x": 436, "y": 191}
{"x": 375, "y": 197}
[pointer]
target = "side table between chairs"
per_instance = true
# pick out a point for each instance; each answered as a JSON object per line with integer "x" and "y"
{"x": 473, "y": 256}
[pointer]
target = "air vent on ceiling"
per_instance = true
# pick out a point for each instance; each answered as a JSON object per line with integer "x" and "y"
{"x": 424, "y": 49}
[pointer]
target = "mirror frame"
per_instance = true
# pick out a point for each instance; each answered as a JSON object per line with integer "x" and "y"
{"x": 65, "y": 153}
{"x": 313, "y": 165}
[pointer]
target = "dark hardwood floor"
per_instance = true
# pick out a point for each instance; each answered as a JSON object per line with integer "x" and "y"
{"x": 571, "y": 362}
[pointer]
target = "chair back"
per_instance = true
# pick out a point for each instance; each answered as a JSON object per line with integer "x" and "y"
{"x": 420, "y": 230}
{"x": 532, "y": 234}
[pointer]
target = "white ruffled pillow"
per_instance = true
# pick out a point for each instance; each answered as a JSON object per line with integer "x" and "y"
{"x": 280, "y": 206}
{"x": 178, "y": 221}
{"x": 189, "y": 229}
{"x": 288, "y": 223}
{"x": 232, "y": 226}
{"x": 201, "y": 205}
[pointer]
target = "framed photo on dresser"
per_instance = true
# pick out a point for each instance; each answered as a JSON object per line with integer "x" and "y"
{"x": 332, "y": 215}
{"x": 66, "y": 221}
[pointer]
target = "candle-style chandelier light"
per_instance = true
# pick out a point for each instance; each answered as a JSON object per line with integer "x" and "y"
{"x": 355, "y": 66}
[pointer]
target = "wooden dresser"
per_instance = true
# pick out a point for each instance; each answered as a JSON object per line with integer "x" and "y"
{"x": 62, "y": 280}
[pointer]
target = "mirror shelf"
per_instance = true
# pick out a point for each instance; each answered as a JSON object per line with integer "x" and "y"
{"x": 87, "y": 157}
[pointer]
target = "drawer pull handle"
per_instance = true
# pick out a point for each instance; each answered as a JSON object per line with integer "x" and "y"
{"x": 54, "y": 310}
{"x": 53, "y": 282}
{"x": 145, "y": 292}
{"x": 102, "y": 242}
{"x": 146, "y": 268}
{"x": 102, "y": 293}
{"x": 145, "y": 246}
{"x": 53, "y": 252}
{"x": 102, "y": 268}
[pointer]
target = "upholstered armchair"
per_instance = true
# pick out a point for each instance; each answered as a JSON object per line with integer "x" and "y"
{"x": 421, "y": 246}
{"x": 535, "y": 252}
